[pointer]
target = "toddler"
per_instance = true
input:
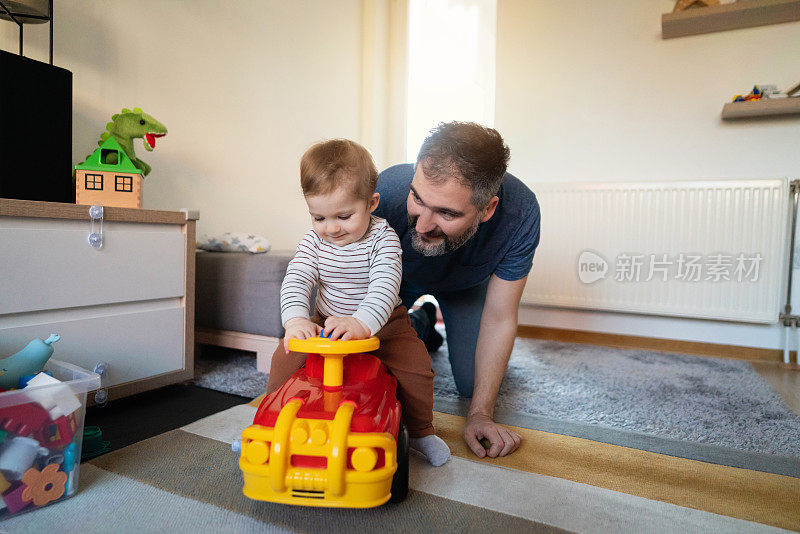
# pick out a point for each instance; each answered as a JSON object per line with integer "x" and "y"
{"x": 354, "y": 260}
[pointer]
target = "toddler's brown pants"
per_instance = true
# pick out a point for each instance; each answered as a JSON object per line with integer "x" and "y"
{"x": 405, "y": 356}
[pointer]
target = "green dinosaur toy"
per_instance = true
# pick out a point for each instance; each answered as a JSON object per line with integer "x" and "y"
{"x": 127, "y": 126}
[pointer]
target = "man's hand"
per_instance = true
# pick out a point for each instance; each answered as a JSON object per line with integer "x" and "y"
{"x": 492, "y": 350}
{"x": 346, "y": 328}
{"x": 503, "y": 441}
{"x": 299, "y": 328}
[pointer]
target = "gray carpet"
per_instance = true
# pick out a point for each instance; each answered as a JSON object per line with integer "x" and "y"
{"x": 690, "y": 398}
{"x": 230, "y": 371}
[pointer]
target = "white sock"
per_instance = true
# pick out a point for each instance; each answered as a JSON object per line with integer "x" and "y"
{"x": 435, "y": 450}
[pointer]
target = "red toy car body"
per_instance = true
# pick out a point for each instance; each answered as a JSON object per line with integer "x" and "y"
{"x": 333, "y": 446}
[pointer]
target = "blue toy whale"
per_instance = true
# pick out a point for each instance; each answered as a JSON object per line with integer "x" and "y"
{"x": 28, "y": 361}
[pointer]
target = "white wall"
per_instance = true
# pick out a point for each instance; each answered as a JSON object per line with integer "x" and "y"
{"x": 585, "y": 91}
{"x": 244, "y": 88}
{"x": 588, "y": 91}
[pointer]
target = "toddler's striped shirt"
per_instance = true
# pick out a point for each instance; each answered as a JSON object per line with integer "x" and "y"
{"x": 361, "y": 279}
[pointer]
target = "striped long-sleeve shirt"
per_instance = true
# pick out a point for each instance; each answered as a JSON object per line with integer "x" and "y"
{"x": 361, "y": 279}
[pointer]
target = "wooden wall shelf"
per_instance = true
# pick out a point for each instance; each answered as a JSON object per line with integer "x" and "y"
{"x": 761, "y": 108}
{"x": 740, "y": 14}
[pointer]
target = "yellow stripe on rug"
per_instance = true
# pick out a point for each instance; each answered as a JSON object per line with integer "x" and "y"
{"x": 741, "y": 493}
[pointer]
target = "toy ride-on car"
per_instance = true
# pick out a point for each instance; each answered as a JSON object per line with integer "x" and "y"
{"x": 331, "y": 435}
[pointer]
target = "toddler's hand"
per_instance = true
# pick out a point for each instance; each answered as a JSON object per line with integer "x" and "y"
{"x": 299, "y": 328}
{"x": 346, "y": 328}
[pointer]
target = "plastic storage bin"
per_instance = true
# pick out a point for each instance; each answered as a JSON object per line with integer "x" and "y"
{"x": 41, "y": 429}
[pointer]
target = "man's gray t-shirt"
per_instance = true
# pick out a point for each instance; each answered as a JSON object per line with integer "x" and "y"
{"x": 504, "y": 245}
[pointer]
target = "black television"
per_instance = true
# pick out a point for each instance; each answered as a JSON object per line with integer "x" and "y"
{"x": 35, "y": 130}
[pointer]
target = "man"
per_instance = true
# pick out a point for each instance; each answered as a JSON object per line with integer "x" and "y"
{"x": 469, "y": 231}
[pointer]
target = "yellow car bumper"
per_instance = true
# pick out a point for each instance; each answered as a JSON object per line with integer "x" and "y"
{"x": 266, "y": 461}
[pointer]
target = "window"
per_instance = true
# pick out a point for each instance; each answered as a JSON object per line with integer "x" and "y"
{"x": 124, "y": 183}
{"x": 451, "y": 65}
{"x": 94, "y": 182}
{"x": 109, "y": 156}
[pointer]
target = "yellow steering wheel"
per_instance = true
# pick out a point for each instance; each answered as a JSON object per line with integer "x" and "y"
{"x": 321, "y": 345}
{"x": 333, "y": 352}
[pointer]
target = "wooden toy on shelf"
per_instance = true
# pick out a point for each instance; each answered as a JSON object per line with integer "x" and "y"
{"x": 725, "y": 15}
{"x": 793, "y": 90}
{"x": 108, "y": 178}
{"x": 680, "y": 5}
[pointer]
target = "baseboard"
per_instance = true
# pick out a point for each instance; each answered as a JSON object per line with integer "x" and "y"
{"x": 657, "y": 344}
{"x": 263, "y": 346}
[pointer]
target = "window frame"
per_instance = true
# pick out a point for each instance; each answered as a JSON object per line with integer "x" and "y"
{"x": 95, "y": 178}
{"x": 126, "y": 179}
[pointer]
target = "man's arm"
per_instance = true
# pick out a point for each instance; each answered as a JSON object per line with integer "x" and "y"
{"x": 495, "y": 342}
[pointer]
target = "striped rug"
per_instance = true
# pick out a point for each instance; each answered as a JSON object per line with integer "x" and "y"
{"x": 187, "y": 480}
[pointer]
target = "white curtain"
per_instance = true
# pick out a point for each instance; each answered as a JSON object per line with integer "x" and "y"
{"x": 451, "y": 65}
{"x": 384, "y": 55}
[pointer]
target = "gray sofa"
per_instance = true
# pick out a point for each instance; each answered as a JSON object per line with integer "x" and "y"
{"x": 237, "y": 300}
{"x": 239, "y": 291}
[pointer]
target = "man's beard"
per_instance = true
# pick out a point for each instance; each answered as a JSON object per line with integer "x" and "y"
{"x": 447, "y": 244}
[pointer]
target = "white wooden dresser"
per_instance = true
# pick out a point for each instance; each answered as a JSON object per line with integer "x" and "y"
{"x": 124, "y": 303}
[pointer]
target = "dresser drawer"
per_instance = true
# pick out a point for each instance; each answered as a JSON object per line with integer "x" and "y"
{"x": 46, "y": 265}
{"x": 123, "y": 304}
{"x": 137, "y": 341}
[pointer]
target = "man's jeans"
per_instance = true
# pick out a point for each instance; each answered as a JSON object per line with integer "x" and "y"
{"x": 461, "y": 311}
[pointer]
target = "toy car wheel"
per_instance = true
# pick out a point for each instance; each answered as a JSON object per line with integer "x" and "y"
{"x": 400, "y": 480}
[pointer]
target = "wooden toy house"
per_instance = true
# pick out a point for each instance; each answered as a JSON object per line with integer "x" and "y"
{"x": 108, "y": 178}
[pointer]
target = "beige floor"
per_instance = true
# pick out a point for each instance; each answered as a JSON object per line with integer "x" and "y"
{"x": 785, "y": 381}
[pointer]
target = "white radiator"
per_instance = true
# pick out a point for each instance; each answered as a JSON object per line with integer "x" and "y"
{"x": 707, "y": 249}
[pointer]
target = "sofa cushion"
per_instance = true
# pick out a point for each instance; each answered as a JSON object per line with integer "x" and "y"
{"x": 240, "y": 291}
{"x": 234, "y": 242}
